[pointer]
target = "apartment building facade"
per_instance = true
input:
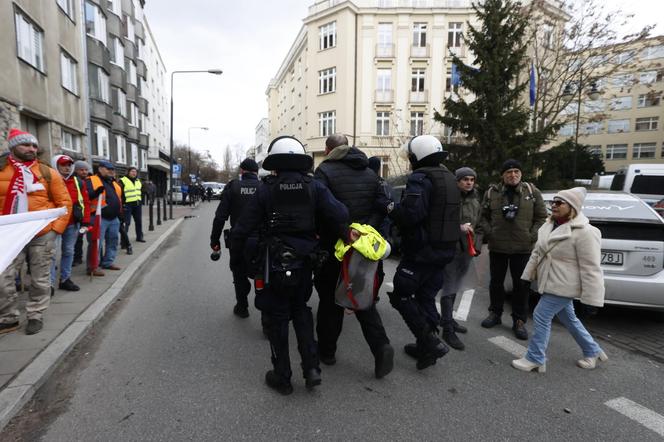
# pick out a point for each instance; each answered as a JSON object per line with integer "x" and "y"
{"x": 624, "y": 125}
{"x": 42, "y": 82}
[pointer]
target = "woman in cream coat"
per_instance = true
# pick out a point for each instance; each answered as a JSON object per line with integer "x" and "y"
{"x": 566, "y": 264}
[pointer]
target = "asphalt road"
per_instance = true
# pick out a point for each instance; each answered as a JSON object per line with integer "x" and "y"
{"x": 173, "y": 363}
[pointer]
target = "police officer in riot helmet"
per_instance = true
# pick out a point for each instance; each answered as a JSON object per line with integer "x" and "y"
{"x": 428, "y": 217}
{"x": 288, "y": 206}
{"x": 234, "y": 197}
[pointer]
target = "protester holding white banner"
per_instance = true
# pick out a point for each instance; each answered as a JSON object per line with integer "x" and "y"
{"x": 26, "y": 185}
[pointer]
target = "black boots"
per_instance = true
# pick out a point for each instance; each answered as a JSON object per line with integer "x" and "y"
{"x": 429, "y": 349}
{"x": 519, "y": 328}
{"x": 453, "y": 340}
{"x": 312, "y": 378}
{"x": 384, "y": 361}
{"x": 241, "y": 311}
{"x": 278, "y": 383}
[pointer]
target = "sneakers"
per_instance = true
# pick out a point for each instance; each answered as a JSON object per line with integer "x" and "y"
{"x": 591, "y": 362}
{"x": 276, "y": 382}
{"x": 312, "y": 378}
{"x": 519, "y": 329}
{"x": 524, "y": 364}
{"x": 384, "y": 361}
{"x": 453, "y": 340}
{"x": 9, "y": 327}
{"x": 68, "y": 285}
{"x": 492, "y": 320}
{"x": 241, "y": 311}
{"x": 34, "y": 326}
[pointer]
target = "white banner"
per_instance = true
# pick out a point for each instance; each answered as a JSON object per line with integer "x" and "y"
{"x": 17, "y": 230}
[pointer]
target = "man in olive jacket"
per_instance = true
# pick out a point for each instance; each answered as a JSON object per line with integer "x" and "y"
{"x": 512, "y": 212}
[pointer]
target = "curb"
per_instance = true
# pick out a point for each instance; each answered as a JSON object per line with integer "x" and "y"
{"x": 18, "y": 392}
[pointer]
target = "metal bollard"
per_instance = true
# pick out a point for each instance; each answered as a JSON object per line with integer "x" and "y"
{"x": 158, "y": 212}
{"x": 165, "y": 213}
{"x": 151, "y": 213}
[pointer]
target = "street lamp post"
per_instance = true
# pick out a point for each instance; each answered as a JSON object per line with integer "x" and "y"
{"x": 189, "y": 146}
{"x": 170, "y": 177}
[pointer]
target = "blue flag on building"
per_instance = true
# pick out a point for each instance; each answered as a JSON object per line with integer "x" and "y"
{"x": 456, "y": 78}
{"x": 533, "y": 85}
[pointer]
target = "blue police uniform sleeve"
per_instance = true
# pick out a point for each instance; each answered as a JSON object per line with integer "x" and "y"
{"x": 328, "y": 207}
{"x": 414, "y": 205}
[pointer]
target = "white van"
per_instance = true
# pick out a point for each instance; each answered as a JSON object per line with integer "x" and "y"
{"x": 601, "y": 182}
{"x": 643, "y": 180}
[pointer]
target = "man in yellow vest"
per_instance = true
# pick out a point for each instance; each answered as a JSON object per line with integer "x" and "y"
{"x": 132, "y": 203}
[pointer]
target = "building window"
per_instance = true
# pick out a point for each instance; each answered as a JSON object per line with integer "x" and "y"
{"x": 29, "y": 42}
{"x": 653, "y": 52}
{"x": 616, "y": 151}
{"x": 384, "y": 34}
{"x": 327, "y": 81}
{"x": 649, "y": 77}
{"x": 591, "y": 106}
{"x": 69, "y": 73}
{"x": 645, "y": 124}
{"x": 99, "y": 84}
{"x": 644, "y": 150}
{"x": 419, "y": 35}
{"x": 417, "y": 80}
{"x": 134, "y": 154}
{"x": 382, "y": 124}
{"x": 622, "y": 80}
{"x": 67, "y": 7}
{"x": 130, "y": 33}
{"x": 567, "y": 130}
{"x": 455, "y": 35}
{"x": 130, "y": 67}
{"x": 327, "y": 122}
{"x": 115, "y": 6}
{"x": 328, "y": 35}
{"x": 547, "y": 35}
{"x": 117, "y": 52}
{"x": 101, "y": 141}
{"x": 120, "y": 102}
{"x": 620, "y": 103}
{"x": 618, "y": 126}
{"x": 649, "y": 100}
{"x": 144, "y": 160}
{"x": 624, "y": 57}
{"x": 70, "y": 141}
{"x": 595, "y": 150}
{"x": 592, "y": 128}
{"x": 416, "y": 123}
{"x": 121, "y": 149}
{"x": 133, "y": 115}
{"x": 449, "y": 87}
{"x": 95, "y": 22}
{"x": 384, "y": 80}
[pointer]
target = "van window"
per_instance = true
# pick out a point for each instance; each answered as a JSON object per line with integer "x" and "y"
{"x": 618, "y": 181}
{"x": 648, "y": 184}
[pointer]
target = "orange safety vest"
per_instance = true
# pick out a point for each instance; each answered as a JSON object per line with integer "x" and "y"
{"x": 96, "y": 184}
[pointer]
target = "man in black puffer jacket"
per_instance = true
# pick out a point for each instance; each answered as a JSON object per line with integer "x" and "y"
{"x": 345, "y": 172}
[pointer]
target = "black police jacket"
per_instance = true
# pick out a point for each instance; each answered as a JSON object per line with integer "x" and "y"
{"x": 234, "y": 198}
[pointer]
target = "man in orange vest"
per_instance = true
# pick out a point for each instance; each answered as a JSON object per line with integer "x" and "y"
{"x": 103, "y": 183}
{"x": 26, "y": 185}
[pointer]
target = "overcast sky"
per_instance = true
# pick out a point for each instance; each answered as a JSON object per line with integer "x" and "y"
{"x": 248, "y": 40}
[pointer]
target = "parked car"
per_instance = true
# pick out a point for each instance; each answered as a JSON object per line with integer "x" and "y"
{"x": 659, "y": 207}
{"x": 632, "y": 247}
{"x": 644, "y": 180}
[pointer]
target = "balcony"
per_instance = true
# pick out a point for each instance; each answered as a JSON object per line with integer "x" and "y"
{"x": 98, "y": 54}
{"x": 141, "y": 70}
{"x": 119, "y": 123}
{"x": 114, "y": 25}
{"x": 384, "y": 96}
{"x": 132, "y": 133}
{"x": 101, "y": 111}
{"x": 419, "y": 51}
{"x": 419, "y": 96}
{"x": 385, "y": 51}
{"x": 144, "y": 141}
{"x": 142, "y": 105}
{"x": 118, "y": 76}
{"x": 132, "y": 93}
{"x": 139, "y": 30}
{"x": 129, "y": 49}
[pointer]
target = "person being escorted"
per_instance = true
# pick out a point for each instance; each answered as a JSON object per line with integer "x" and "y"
{"x": 79, "y": 217}
{"x": 346, "y": 173}
{"x": 455, "y": 271}
{"x": 132, "y": 205}
{"x": 428, "y": 218}
{"x": 102, "y": 186}
{"x": 234, "y": 198}
{"x": 82, "y": 170}
{"x": 287, "y": 209}
{"x": 566, "y": 265}
{"x": 512, "y": 212}
{"x": 26, "y": 185}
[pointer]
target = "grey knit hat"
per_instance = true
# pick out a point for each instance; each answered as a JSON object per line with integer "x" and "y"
{"x": 17, "y": 137}
{"x": 464, "y": 172}
{"x": 80, "y": 164}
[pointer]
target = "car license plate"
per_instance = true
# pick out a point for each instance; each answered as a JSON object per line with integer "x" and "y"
{"x": 612, "y": 258}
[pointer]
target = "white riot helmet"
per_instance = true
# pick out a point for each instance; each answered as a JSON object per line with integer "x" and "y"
{"x": 287, "y": 153}
{"x": 425, "y": 146}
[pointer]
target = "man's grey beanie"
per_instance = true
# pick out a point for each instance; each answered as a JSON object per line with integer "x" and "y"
{"x": 464, "y": 172}
{"x": 80, "y": 164}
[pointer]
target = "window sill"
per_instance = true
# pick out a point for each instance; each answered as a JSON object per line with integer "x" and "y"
{"x": 75, "y": 94}
{"x": 26, "y": 62}
{"x": 327, "y": 49}
{"x": 326, "y": 93}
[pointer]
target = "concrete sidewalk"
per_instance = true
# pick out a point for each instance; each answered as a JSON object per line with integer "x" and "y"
{"x": 27, "y": 361}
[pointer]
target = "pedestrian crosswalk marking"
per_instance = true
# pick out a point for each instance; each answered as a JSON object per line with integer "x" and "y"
{"x": 509, "y": 346}
{"x": 461, "y": 314}
{"x": 646, "y": 417}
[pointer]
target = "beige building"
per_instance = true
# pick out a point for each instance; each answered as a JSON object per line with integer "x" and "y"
{"x": 624, "y": 124}
{"x": 42, "y": 82}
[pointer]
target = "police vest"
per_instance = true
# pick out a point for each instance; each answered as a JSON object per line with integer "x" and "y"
{"x": 292, "y": 204}
{"x": 243, "y": 192}
{"x": 132, "y": 189}
{"x": 442, "y": 222}
{"x": 96, "y": 184}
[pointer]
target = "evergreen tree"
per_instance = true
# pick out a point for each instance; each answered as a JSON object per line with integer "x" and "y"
{"x": 554, "y": 165}
{"x": 495, "y": 122}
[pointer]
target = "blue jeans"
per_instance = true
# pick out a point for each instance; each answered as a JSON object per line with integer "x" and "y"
{"x": 110, "y": 231}
{"x": 69, "y": 237}
{"x": 548, "y": 307}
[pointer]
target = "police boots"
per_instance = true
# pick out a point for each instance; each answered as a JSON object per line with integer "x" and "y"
{"x": 278, "y": 383}
{"x": 429, "y": 348}
{"x": 312, "y": 378}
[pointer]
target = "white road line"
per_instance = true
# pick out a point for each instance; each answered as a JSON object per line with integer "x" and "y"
{"x": 509, "y": 346}
{"x": 646, "y": 417}
{"x": 461, "y": 314}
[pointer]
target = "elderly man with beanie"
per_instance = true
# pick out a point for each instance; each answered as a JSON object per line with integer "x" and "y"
{"x": 566, "y": 265}
{"x": 234, "y": 198}
{"x": 26, "y": 185}
{"x": 82, "y": 170}
{"x": 80, "y": 216}
{"x": 512, "y": 212}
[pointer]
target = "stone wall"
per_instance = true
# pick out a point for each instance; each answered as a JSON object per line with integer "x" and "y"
{"x": 9, "y": 118}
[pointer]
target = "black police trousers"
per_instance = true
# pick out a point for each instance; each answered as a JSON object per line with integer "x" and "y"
{"x": 283, "y": 299}
{"x": 330, "y": 317}
{"x": 241, "y": 282}
{"x": 498, "y": 263}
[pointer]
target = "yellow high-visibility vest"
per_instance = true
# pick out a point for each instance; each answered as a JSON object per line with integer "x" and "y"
{"x": 132, "y": 190}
